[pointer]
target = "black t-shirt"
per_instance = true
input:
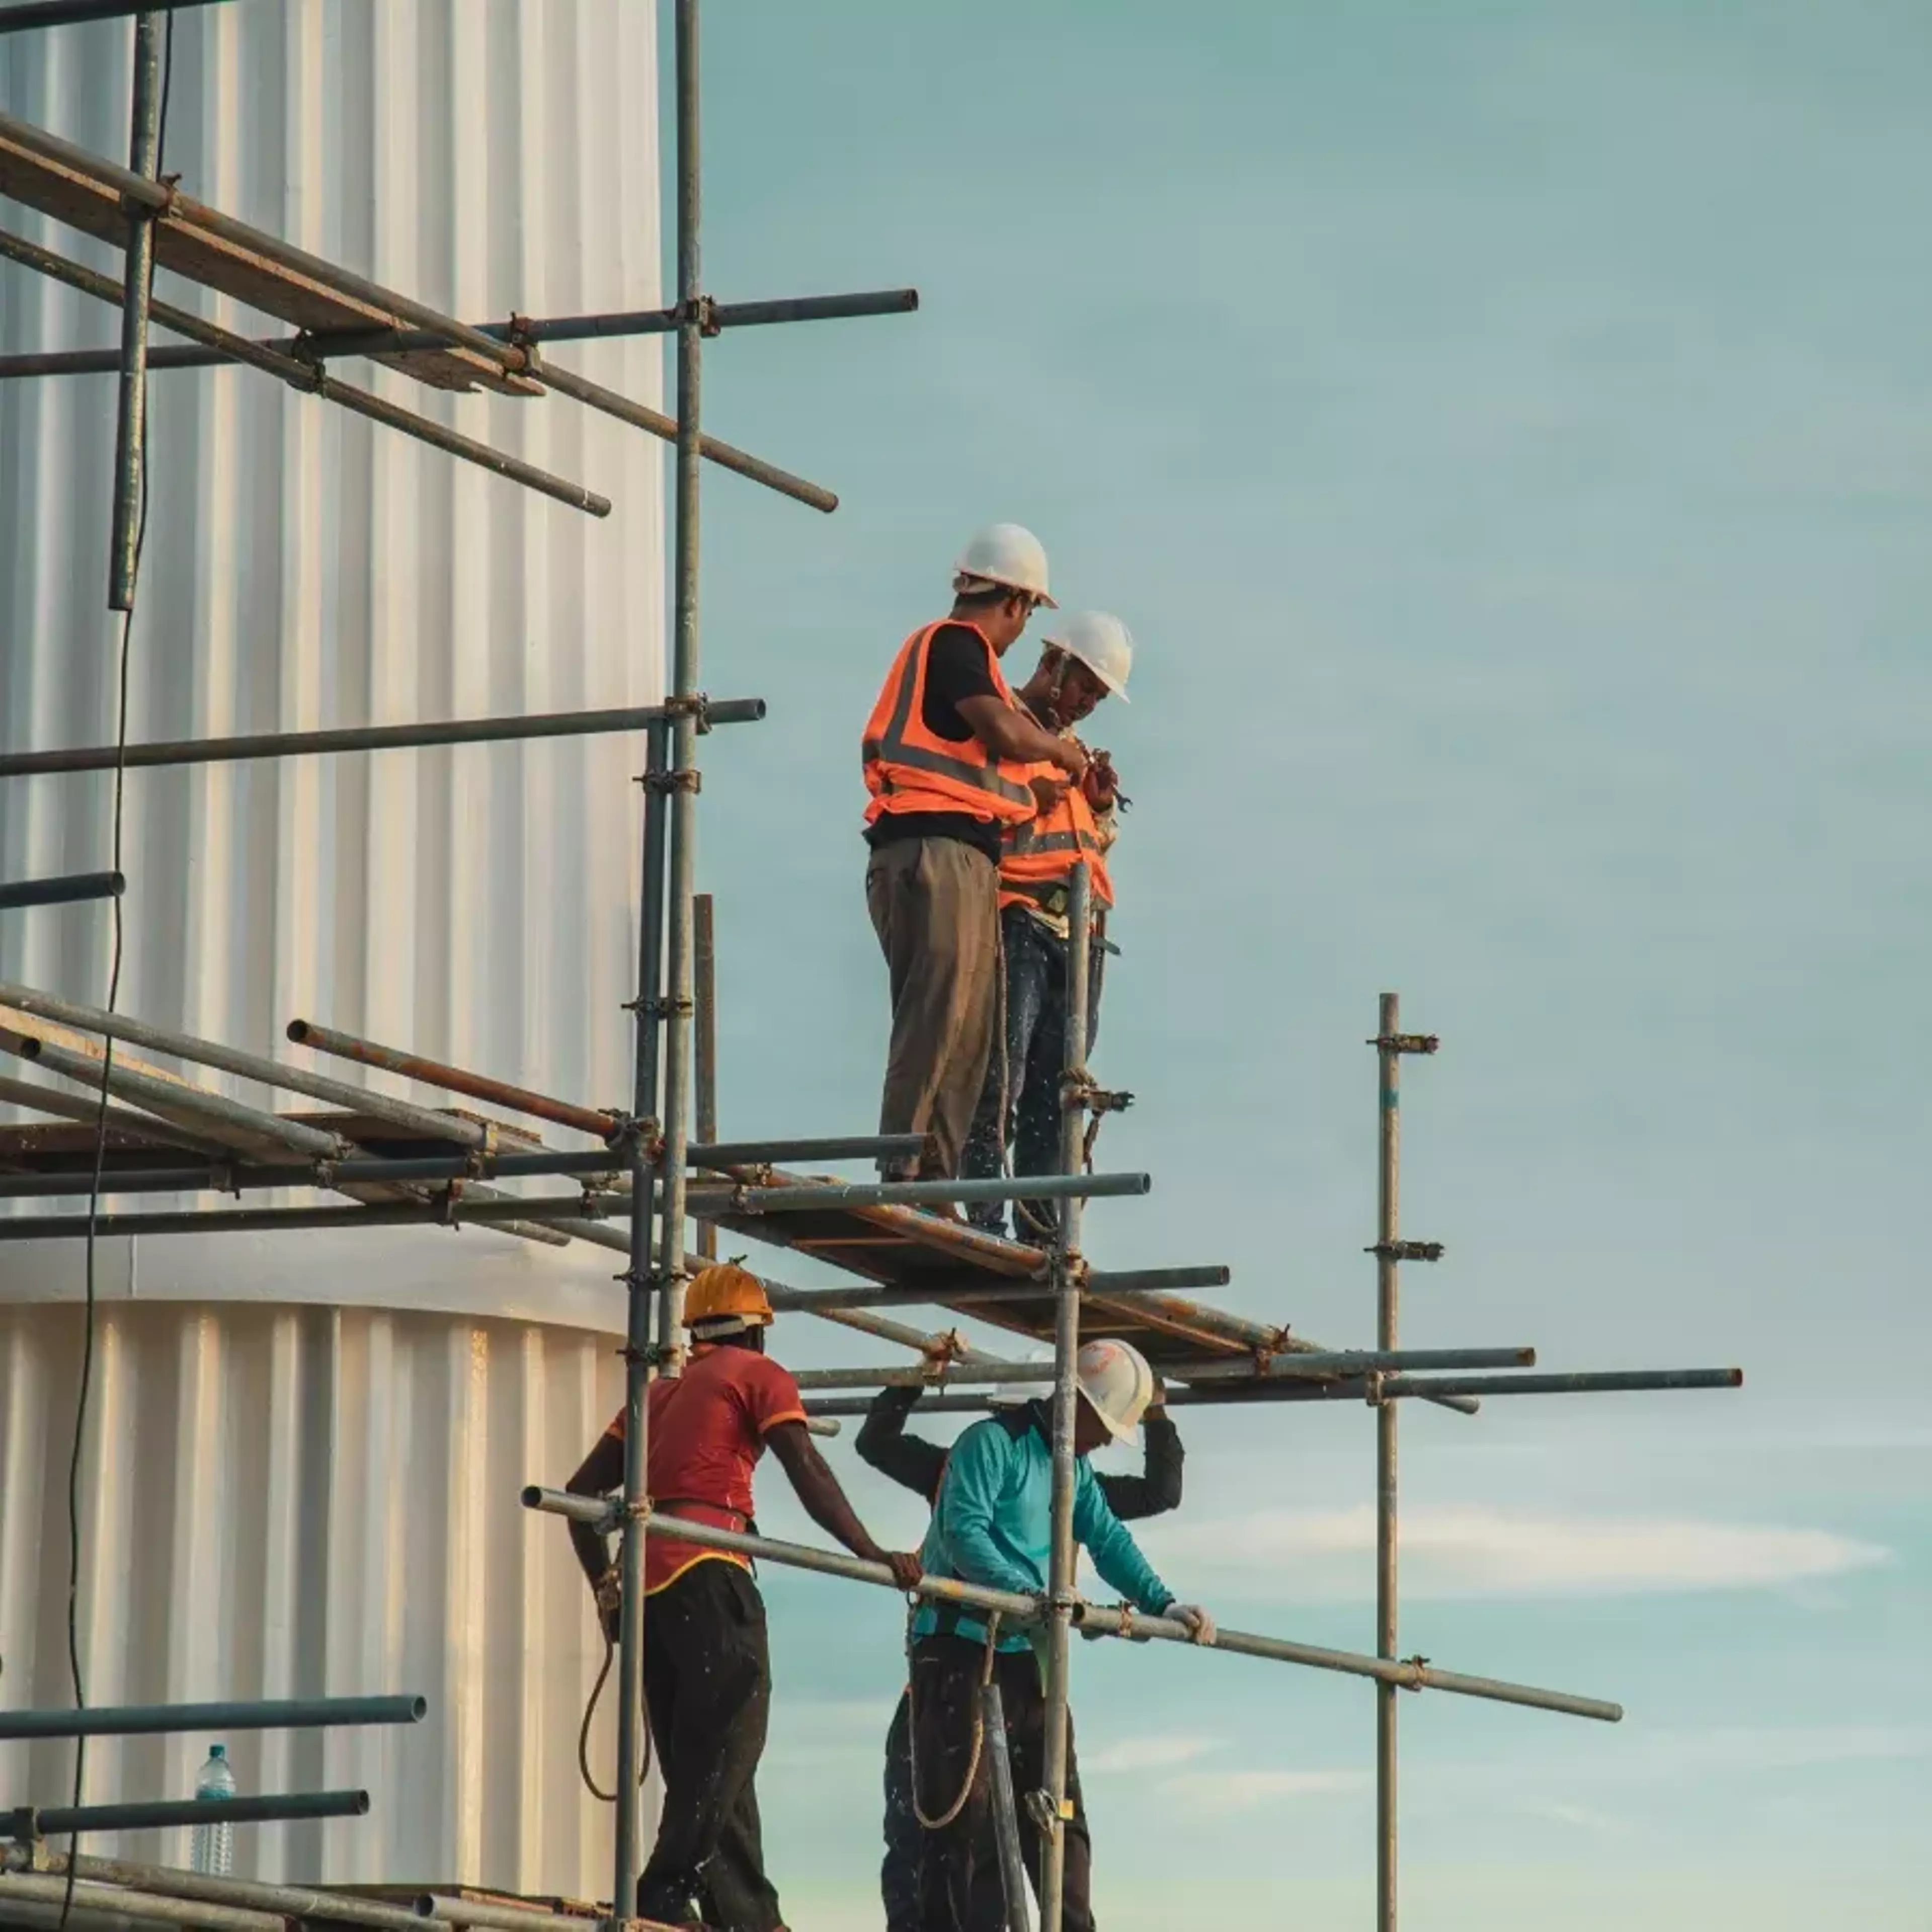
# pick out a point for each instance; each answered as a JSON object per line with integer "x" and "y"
{"x": 956, "y": 667}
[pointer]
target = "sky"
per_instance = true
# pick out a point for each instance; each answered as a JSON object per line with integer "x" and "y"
{"x": 1508, "y": 430}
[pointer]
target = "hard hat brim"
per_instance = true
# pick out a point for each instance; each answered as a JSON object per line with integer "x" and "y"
{"x": 1115, "y": 686}
{"x": 962, "y": 569}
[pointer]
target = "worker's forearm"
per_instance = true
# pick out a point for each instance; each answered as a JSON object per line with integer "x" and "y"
{"x": 593, "y": 1551}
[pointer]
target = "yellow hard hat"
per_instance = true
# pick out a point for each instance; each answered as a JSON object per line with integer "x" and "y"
{"x": 724, "y": 1298}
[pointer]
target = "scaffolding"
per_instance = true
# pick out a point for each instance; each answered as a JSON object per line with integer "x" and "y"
{"x": 654, "y": 1165}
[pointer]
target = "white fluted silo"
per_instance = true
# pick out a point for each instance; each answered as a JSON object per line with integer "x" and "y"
{"x": 304, "y": 1453}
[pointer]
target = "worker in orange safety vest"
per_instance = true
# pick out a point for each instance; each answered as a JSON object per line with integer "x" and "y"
{"x": 1086, "y": 659}
{"x": 952, "y": 760}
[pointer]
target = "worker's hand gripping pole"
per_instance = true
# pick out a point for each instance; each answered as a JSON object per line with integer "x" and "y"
{"x": 1066, "y": 1350}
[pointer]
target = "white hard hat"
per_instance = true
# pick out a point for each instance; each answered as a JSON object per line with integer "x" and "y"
{"x": 1117, "y": 1383}
{"x": 1004, "y": 553}
{"x": 1101, "y": 643}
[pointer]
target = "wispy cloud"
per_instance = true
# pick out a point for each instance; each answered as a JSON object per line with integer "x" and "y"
{"x": 1242, "y": 1790}
{"x": 1484, "y": 1552}
{"x": 1147, "y": 1753}
{"x": 1583, "y": 1817}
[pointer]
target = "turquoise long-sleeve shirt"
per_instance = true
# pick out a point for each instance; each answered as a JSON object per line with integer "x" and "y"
{"x": 992, "y": 1524}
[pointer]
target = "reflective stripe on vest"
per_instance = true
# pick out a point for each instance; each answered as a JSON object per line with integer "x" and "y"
{"x": 909, "y": 769}
{"x": 1036, "y": 859}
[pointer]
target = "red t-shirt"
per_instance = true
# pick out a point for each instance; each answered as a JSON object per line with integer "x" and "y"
{"x": 707, "y": 1431}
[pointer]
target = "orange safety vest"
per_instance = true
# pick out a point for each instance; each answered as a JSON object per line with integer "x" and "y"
{"x": 908, "y": 769}
{"x": 1036, "y": 860}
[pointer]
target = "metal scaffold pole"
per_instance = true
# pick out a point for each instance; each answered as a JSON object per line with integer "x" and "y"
{"x": 1390, "y": 1250}
{"x": 1388, "y": 1138}
{"x": 1066, "y": 1350}
{"x": 643, "y": 1331}
{"x": 705, "y": 940}
{"x": 669, "y": 871}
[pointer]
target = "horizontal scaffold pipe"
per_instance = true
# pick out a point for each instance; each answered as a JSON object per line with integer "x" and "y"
{"x": 711, "y": 1203}
{"x": 72, "y": 888}
{"x": 96, "y": 1908}
{"x": 439, "y": 1908}
{"x": 282, "y": 1713}
{"x": 970, "y": 1288}
{"x": 456, "y": 1209}
{"x": 236, "y": 1176}
{"x": 364, "y": 738}
{"x": 172, "y": 1098}
{"x": 1360, "y": 1388}
{"x": 1092, "y": 1619}
{"x": 304, "y": 376}
{"x": 1347, "y": 1362}
{"x": 25, "y": 16}
{"x": 328, "y": 345}
{"x": 175, "y": 210}
{"x": 284, "y": 1901}
{"x": 161, "y": 1814}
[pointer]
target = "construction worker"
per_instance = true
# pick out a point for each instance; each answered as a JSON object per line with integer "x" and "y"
{"x": 952, "y": 759}
{"x": 707, "y": 1668}
{"x": 1086, "y": 659}
{"x": 883, "y": 1442}
{"x": 992, "y": 1526}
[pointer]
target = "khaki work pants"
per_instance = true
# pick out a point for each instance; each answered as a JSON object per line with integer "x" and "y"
{"x": 935, "y": 905}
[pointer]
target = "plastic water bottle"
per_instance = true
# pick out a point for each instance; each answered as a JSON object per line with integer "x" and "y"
{"x": 214, "y": 1850}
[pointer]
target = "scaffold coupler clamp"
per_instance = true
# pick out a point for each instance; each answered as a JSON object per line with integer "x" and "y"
{"x": 1047, "y": 1817}
{"x": 695, "y": 705}
{"x": 1415, "y": 1666}
{"x": 702, "y": 310}
{"x": 1405, "y": 1251}
{"x": 1372, "y": 1389}
{"x": 1406, "y": 1043}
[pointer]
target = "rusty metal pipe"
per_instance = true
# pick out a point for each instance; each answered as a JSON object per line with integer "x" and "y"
{"x": 454, "y": 1079}
{"x": 165, "y": 1096}
{"x": 302, "y": 376}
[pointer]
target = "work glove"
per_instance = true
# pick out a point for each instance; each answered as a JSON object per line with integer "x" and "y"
{"x": 1199, "y": 1624}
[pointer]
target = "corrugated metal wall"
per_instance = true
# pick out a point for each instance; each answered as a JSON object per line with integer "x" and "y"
{"x": 314, "y": 1499}
{"x": 288, "y": 1502}
{"x": 304, "y": 567}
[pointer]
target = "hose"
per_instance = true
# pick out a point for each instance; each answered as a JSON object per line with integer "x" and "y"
{"x": 958, "y": 1804}
{"x": 590, "y": 1783}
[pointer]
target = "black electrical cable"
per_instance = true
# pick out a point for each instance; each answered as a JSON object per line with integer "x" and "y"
{"x": 73, "y": 1536}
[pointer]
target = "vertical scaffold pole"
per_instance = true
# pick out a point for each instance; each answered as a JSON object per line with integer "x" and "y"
{"x": 685, "y": 699}
{"x": 662, "y": 1286}
{"x": 1388, "y": 1137}
{"x": 1066, "y": 1348}
{"x": 644, "y": 1333}
{"x": 144, "y": 150}
{"x": 705, "y": 941}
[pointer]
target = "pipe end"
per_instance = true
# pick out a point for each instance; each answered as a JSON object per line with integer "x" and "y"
{"x": 533, "y": 1496}
{"x": 297, "y": 1031}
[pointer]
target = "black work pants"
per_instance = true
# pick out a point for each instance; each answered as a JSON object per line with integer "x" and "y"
{"x": 708, "y": 1685}
{"x": 899, "y": 1876}
{"x": 1035, "y": 1056}
{"x": 959, "y": 1873}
